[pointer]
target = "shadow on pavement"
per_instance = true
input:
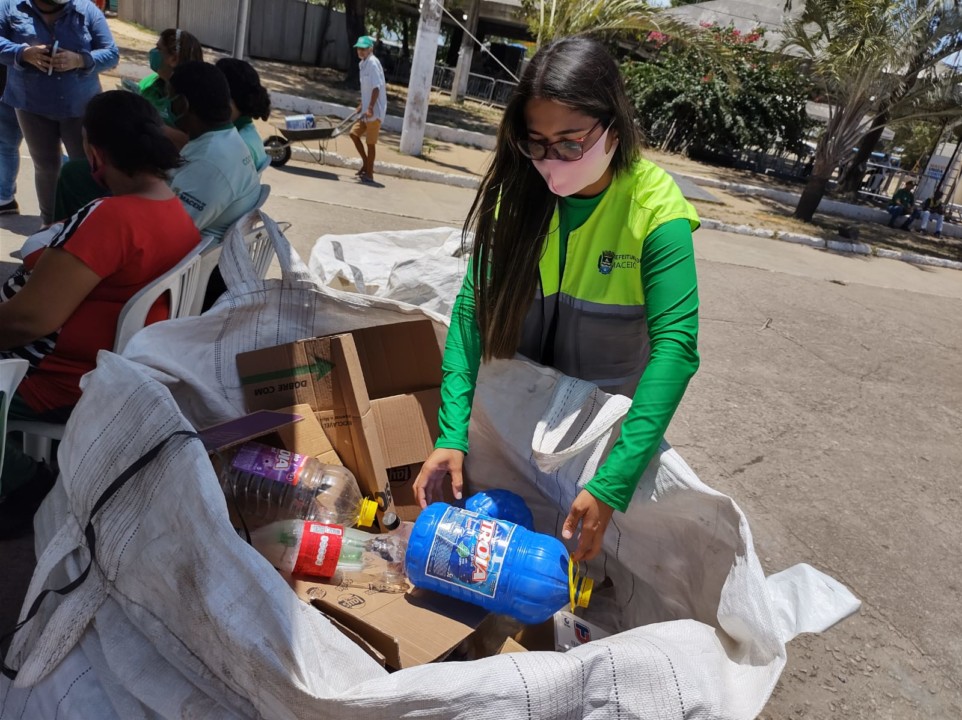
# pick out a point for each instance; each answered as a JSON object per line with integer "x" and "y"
{"x": 23, "y": 225}
{"x": 308, "y": 172}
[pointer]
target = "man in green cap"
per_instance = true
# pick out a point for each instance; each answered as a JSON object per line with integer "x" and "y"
{"x": 373, "y": 106}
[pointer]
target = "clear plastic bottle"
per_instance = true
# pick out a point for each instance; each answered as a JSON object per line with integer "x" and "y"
{"x": 272, "y": 484}
{"x": 322, "y": 551}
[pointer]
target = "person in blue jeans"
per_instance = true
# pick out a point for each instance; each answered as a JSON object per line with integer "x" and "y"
{"x": 54, "y": 51}
{"x": 10, "y": 138}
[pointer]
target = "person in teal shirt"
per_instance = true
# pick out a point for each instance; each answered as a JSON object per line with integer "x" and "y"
{"x": 249, "y": 100}
{"x": 583, "y": 261}
{"x": 75, "y": 186}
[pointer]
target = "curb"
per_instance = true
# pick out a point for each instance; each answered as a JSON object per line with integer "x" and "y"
{"x": 390, "y": 169}
{"x": 833, "y": 245}
{"x": 391, "y": 123}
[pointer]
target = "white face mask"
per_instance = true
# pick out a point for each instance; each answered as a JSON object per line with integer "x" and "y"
{"x": 566, "y": 177}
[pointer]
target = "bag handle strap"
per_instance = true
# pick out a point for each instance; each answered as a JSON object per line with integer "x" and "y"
{"x": 90, "y": 535}
{"x": 236, "y": 264}
{"x": 568, "y": 398}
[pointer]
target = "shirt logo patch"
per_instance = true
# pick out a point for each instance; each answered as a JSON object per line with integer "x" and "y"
{"x": 194, "y": 202}
{"x": 606, "y": 262}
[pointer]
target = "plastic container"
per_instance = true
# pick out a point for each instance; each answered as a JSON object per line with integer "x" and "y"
{"x": 321, "y": 550}
{"x": 501, "y": 505}
{"x": 272, "y": 484}
{"x": 492, "y": 563}
{"x": 299, "y": 122}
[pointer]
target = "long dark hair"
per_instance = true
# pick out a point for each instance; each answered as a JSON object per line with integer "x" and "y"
{"x": 250, "y": 97}
{"x": 513, "y": 208}
{"x": 129, "y": 130}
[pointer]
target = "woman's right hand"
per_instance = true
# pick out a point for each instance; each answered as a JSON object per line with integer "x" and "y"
{"x": 38, "y": 56}
{"x": 429, "y": 483}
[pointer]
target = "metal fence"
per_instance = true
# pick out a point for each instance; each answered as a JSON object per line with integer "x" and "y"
{"x": 487, "y": 89}
{"x": 285, "y": 30}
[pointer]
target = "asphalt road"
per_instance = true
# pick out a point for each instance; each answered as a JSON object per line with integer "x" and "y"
{"x": 828, "y": 405}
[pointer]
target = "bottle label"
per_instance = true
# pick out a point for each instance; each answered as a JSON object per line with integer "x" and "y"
{"x": 267, "y": 462}
{"x": 320, "y": 549}
{"x": 468, "y": 550}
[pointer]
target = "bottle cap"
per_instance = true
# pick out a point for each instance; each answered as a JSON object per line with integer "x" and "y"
{"x": 579, "y": 587}
{"x": 390, "y": 521}
{"x": 368, "y": 511}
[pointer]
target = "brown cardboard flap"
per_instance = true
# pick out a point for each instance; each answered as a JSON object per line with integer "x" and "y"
{"x": 407, "y": 426}
{"x": 511, "y": 646}
{"x": 399, "y": 358}
{"x": 308, "y": 437}
{"x": 358, "y": 640}
{"x": 409, "y": 629}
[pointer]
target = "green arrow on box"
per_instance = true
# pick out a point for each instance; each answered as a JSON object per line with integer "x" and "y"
{"x": 318, "y": 368}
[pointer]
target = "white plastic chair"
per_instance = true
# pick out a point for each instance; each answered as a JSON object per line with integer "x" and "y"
{"x": 259, "y": 246}
{"x": 180, "y": 282}
{"x": 12, "y": 371}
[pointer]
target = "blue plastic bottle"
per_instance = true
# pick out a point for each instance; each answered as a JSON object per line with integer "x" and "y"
{"x": 501, "y": 505}
{"x": 492, "y": 563}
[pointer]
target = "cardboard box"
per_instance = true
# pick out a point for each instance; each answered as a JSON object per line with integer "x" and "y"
{"x": 375, "y": 391}
{"x": 408, "y": 629}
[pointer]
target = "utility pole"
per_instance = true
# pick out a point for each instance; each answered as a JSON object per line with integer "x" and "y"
{"x": 422, "y": 72}
{"x": 240, "y": 37}
{"x": 460, "y": 85}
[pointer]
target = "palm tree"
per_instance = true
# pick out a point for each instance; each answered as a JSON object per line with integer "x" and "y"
{"x": 552, "y": 19}
{"x": 934, "y": 42}
{"x": 856, "y": 51}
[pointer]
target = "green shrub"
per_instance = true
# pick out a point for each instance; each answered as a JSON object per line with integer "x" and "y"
{"x": 692, "y": 101}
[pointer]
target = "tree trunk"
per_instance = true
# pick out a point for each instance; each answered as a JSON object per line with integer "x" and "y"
{"x": 811, "y": 196}
{"x": 454, "y": 49}
{"x": 852, "y": 179}
{"x": 354, "y": 11}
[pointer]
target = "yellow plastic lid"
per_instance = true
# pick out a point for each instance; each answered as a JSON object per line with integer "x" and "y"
{"x": 579, "y": 587}
{"x": 584, "y": 592}
{"x": 368, "y": 511}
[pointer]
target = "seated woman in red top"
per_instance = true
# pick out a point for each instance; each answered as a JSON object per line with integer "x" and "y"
{"x": 103, "y": 256}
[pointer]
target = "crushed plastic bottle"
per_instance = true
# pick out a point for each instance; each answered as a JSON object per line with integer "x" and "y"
{"x": 322, "y": 550}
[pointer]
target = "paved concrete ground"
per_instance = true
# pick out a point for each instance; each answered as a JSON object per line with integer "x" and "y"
{"x": 828, "y": 405}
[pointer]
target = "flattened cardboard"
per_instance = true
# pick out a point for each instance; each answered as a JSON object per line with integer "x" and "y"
{"x": 409, "y": 629}
{"x": 239, "y": 430}
{"x": 308, "y": 437}
{"x": 358, "y": 640}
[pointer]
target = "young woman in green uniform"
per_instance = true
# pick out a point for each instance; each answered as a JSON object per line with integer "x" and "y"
{"x": 582, "y": 261}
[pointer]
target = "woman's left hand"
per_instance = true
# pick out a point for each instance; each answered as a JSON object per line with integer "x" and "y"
{"x": 594, "y": 516}
{"x": 67, "y": 60}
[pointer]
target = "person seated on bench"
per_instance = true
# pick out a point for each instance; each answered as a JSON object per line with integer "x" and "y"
{"x": 217, "y": 183}
{"x": 903, "y": 203}
{"x": 248, "y": 100}
{"x": 79, "y": 283}
{"x": 933, "y": 207}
